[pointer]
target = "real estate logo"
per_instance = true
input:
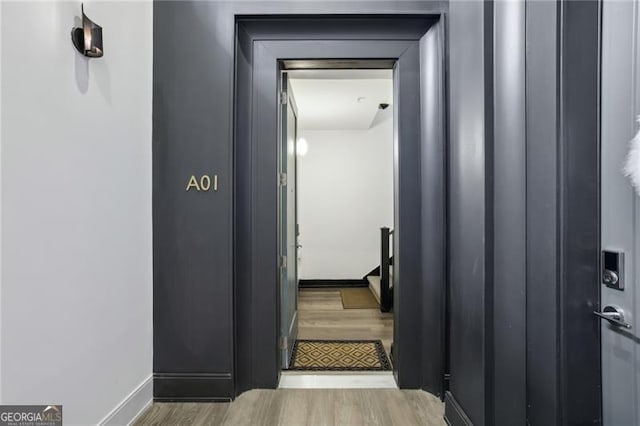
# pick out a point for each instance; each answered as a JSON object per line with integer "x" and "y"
{"x": 30, "y": 415}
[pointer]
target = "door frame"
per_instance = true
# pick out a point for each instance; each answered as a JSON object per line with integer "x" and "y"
{"x": 416, "y": 43}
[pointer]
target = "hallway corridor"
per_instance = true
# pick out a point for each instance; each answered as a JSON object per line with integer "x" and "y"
{"x": 320, "y": 212}
{"x": 305, "y": 407}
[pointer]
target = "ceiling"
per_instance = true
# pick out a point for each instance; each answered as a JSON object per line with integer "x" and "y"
{"x": 341, "y": 99}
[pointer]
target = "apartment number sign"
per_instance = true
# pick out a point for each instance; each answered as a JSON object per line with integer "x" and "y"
{"x": 203, "y": 183}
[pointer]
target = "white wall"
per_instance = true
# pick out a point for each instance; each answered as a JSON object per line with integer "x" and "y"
{"x": 345, "y": 194}
{"x": 0, "y": 202}
{"x": 76, "y": 307}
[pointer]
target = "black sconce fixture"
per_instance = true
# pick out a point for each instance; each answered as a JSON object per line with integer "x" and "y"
{"x": 88, "y": 39}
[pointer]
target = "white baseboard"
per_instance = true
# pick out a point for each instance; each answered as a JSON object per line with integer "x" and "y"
{"x": 132, "y": 406}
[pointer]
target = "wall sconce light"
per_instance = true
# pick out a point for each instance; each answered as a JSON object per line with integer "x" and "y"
{"x": 302, "y": 147}
{"x": 88, "y": 39}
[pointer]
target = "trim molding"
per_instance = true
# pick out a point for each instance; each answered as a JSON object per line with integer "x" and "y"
{"x": 195, "y": 387}
{"x": 130, "y": 408}
{"x": 332, "y": 283}
{"x": 255, "y": 196}
{"x": 454, "y": 415}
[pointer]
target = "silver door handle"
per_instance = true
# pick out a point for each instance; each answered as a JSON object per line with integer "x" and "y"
{"x": 614, "y": 315}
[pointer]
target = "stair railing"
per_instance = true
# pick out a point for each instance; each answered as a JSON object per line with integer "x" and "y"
{"x": 386, "y": 292}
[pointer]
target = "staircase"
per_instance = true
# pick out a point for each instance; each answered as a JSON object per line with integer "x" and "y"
{"x": 374, "y": 283}
{"x": 381, "y": 279}
{"x": 374, "y": 286}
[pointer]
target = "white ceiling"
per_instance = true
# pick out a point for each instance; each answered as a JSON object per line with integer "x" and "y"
{"x": 341, "y": 99}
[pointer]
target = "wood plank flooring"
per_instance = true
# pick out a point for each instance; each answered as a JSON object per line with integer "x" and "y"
{"x": 321, "y": 316}
{"x": 305, "y": 407}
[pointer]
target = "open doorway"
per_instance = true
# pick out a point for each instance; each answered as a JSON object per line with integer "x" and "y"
{"x": 336, "y": 221}
{"x": 414, "y": 49}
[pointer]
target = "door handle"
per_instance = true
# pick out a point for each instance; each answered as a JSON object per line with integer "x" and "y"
{"x": 614, "y": 315}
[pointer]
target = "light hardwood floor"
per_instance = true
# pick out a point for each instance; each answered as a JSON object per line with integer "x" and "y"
{"x": 311, "y": 407}
{"x": 321, "y": 316}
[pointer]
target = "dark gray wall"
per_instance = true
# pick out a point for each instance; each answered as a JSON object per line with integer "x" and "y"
{"x": 509, "y": 215}
{"x": 580, "y": 213}
{"x": 563, "y": 342}
{"x": 192, "y": 113}
{"x": 194, "y": 323}
{"x": 523, "y": 213}
{"x": 467, "y": 207}
{"x": 542, "y": 227}
{"x": 433, "y": 201}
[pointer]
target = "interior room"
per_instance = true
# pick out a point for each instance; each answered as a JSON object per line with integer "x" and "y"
{"x": 344, "y": 211}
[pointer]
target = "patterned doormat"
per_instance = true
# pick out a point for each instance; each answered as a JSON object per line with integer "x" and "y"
{"x": 339, "y": 355}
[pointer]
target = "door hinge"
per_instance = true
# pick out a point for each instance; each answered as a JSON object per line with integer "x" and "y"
{"x": 283, "y": 179}
{"x": 283, "y": 261}
{"x": 283, "y": 98}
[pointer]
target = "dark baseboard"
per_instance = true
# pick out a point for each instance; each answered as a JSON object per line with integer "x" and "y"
{"x": 332, "y": 283}
{"x": 454, "y": 415}
{"x": 184, "y": 387}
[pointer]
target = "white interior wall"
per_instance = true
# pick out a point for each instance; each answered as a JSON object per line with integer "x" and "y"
{"x": 1, "y": 203}
{"x": 345, "y": 195}
{"x": 76, "y": 307}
